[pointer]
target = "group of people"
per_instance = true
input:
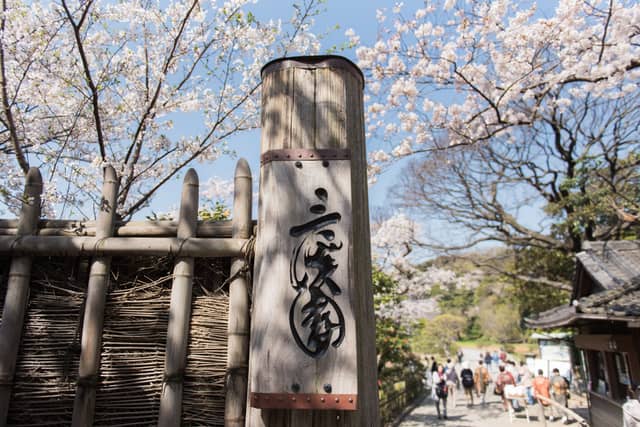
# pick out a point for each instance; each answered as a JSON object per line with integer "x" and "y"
{"x": 494, "y": 359}
{"x": 509, "y": 381}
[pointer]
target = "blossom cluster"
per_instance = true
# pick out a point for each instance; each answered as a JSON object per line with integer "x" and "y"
{"x": 107, "y": 82}
{"x": 463, "y": 72}
{"x": 392, "y": 241}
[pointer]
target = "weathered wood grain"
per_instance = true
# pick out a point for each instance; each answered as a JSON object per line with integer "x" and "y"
{"x": 324, "y": 101}
{"x": 282, "y": 363}
{"x": 330, "y": 111}
{"x": 302, "y": 95}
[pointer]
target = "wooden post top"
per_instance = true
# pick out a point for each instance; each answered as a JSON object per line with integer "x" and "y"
{"x": 312, "y": 62}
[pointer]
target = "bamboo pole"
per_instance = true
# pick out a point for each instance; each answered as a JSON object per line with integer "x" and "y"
{"x": 15, "y": 303}
{"x": 91, "y": 341}
{"x": 160, "y": 228}
{"x": 567, "y": 411}
{"x": 111, "y": 246}
{"x": 179, "y": 310}
{"x": 238, "y": 347}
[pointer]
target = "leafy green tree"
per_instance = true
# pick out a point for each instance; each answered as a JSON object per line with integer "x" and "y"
{"x": 473, "y": 331}
{"x": 457, "y": 301}
{"x": 499, "y": 320}
{"x": 218, "y": 212}
{"x": 439, "y": 334}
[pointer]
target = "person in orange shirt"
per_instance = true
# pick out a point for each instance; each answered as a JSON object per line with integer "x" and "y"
{"x": 540, "y": 385}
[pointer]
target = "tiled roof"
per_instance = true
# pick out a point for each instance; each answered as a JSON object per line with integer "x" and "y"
{"x": 615, "y": 266}
{"x": 621, "y": 301}
{"x": 563, "y": 315}
{"x": 612, "y": 263}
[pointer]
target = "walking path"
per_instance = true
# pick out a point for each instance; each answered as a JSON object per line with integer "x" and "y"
{"x": 491, "y": 414}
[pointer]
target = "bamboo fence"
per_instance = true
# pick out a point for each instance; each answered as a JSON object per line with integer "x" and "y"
{"x": 133, "y": 321}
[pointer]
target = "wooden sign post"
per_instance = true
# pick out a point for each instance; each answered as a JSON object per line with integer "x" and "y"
{"x": 312, "y": 356}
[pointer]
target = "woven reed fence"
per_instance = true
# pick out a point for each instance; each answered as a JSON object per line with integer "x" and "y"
{"x": 168, "y": 329}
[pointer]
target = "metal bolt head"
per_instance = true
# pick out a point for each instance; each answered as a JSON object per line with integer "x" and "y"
{"x": 295, "y": 387}
{"x": 327, "y": 388}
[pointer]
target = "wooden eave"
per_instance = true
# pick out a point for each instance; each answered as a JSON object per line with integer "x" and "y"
{"x": 567, "y": 316}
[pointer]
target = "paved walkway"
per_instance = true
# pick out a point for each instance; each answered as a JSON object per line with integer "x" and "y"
{"x": 489, "y": 415}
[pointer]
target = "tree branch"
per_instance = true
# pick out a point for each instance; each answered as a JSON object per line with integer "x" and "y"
{"x": 13, "y": 134}
{"x": 87, "y": 72}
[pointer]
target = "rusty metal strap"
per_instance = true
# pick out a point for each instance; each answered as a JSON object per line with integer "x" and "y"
{"x": 305, "y": 154}
{"x": 343, "y": 402}
{"x": 89, "y": 381}
{"x": 6, "y": 379}
{"x": 176, "y": 378}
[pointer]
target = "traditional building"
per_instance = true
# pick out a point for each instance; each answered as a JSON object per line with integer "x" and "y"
{"x": 605, "y": 310}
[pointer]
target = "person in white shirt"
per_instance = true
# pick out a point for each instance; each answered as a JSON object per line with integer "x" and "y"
{"x": 440, "y": 390}
{"x": 631, "y": 409}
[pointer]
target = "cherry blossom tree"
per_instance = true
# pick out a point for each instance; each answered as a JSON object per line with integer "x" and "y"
{"x": 470, "y": 71}
{"x": 89, "y": 83}
{"x": 393, "y": 240}
{"x": 506, "y": 108}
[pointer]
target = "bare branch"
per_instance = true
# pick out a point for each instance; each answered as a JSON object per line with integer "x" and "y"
{"x": 556, "y": 284}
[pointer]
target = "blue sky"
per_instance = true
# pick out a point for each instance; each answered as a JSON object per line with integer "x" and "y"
{"x": 361, "y": 16}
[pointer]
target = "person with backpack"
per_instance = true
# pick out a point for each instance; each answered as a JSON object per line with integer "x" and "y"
{"x": 466, "y": 376}
{"x": 504, "y": 378}
{"x": 481, "y": 379}
{"x": 559, "y": 392}
{"x": 453, "y": 382}
{"x": 440, "y": 390}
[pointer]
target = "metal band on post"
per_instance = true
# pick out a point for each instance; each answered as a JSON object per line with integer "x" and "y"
{"x": 304, "y": 154}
